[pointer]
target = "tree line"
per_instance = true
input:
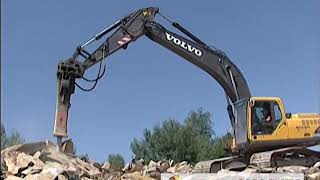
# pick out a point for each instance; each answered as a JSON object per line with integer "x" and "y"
{"x": 193, "y": 140}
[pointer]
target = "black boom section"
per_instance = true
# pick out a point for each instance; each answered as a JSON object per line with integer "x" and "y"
{"x": 214, "y": 63}
{"x": 129, "y": 29}
{"x": 142, "y": 22}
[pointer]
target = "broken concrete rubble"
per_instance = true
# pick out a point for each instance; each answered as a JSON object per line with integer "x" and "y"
{"x": 43, "y": 160}
{"x": 182, "y": 167}
{"x": 313, "y": 176}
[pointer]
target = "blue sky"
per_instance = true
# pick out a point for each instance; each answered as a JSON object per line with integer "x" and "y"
{"x": 275, "y": 44}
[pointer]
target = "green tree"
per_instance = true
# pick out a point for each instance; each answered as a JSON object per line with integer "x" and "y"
{"x": 191, "y": 141}
{"x": 84, "y": 157}
{"x": 116, "y": 161}
{"x": 13, "y": 139}
{"x": 3, "y": 136}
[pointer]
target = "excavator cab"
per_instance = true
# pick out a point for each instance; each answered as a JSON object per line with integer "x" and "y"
{"x": 259, "y": 119}
{"x": 261, "y": 123}
{"x": 264, "y": 135}
{"x": 265, "y": 117}
{"x": 267, "y": 120}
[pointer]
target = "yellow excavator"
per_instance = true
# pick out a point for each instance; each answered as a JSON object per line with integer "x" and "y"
{"x": 262, "y": 134}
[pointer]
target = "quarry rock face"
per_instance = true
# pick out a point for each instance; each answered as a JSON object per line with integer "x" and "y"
{"x": 45, "y": 161}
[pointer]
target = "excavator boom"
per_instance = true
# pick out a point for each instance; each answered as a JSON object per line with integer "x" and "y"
{"x": 126, "y": 31}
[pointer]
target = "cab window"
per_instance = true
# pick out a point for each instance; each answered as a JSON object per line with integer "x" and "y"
{"x": 266, "y": 116}
{"x": 277, "y": 112}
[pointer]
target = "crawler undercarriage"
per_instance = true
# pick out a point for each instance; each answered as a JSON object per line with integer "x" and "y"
{"x": 264, "y": 161}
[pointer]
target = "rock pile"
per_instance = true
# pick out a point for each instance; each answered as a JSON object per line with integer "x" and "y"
{"x": 154, "y": 169}
{"x": 312, "y": 173}
{"x": 44, "y": 161}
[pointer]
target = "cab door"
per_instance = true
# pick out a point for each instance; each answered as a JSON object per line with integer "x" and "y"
{"x": 267, "y": 120}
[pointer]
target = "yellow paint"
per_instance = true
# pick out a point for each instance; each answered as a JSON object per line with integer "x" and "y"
{"x": 146, "y": 13}
{"x": 299, "y": 126}
{"x": 287, "y": 129}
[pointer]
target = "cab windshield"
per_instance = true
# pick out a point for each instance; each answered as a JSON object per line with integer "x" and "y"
{"x": 266, "y": 116}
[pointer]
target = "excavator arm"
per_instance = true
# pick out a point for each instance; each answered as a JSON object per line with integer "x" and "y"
{"x": 126, "y": 31}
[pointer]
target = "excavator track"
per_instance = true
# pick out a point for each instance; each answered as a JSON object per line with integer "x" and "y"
{"x": 264, "y": 161}
{"x": 299, "y": 156}
{"x": 213, "y": 166}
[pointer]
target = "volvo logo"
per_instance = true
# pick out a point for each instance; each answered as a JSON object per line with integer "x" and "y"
{"x": 184, "y": 45}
